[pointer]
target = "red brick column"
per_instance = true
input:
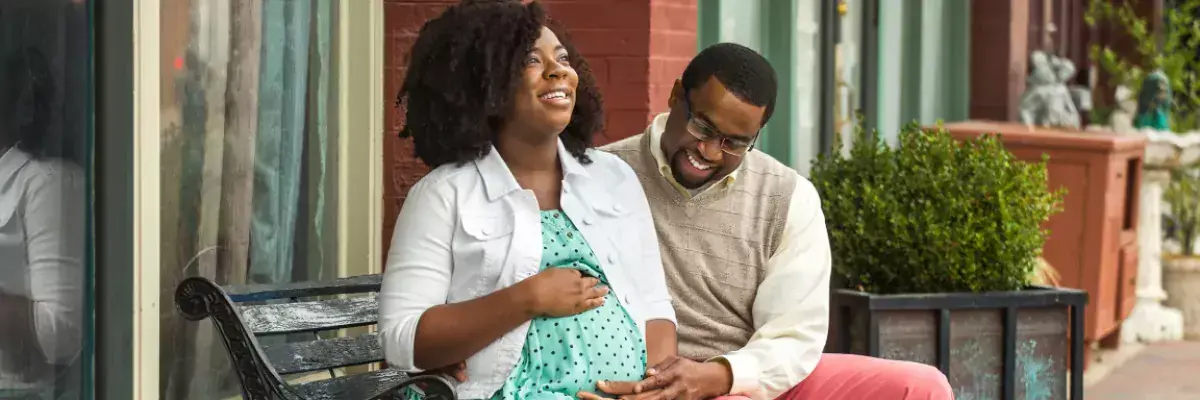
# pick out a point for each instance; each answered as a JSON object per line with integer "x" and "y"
{"x": 636, "y": 48}
{"x": 999, "y": 57}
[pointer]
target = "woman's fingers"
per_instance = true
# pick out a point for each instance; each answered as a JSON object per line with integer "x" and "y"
{"x": 589, "y": 282}
{"x": 594, "y": 302}
{"x": 597, "y": 291}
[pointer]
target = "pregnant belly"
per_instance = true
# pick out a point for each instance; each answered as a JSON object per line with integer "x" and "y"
{"x": 567, "y": 354}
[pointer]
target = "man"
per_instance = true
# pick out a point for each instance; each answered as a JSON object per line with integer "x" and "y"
{"x": 745, "y": 252}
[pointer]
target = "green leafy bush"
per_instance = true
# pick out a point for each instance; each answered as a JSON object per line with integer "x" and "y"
{"x": 934, "y": 215}
{"x": 1183, "y": 199}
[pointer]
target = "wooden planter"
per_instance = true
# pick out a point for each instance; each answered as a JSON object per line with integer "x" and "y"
{"x": 1005, "y": 345}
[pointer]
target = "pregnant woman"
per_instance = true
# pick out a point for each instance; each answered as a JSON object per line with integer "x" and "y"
{"x": 525, "y": 263}
{"x": 42, "y": 234}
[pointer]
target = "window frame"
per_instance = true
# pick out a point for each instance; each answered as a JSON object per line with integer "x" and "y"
{"x": 127, "y": 154}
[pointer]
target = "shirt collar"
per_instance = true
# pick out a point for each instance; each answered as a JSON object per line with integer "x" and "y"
{"x": 11, "y": 161}
{"x": 498, "y": 180}
{"x": 655, "y": 131}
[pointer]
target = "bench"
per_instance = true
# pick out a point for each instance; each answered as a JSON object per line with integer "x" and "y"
{"x": 244, "y": 314}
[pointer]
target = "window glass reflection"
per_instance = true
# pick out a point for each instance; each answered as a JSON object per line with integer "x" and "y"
{"x": 248, "y": 145}
{"x": 43, "y": 122}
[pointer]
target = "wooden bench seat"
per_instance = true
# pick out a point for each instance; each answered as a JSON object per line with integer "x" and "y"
{"x": 244, "y": 314}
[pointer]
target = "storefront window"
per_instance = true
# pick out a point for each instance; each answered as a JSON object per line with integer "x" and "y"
{"x": 249, "y": 164}
{"x": 45, "y": 303}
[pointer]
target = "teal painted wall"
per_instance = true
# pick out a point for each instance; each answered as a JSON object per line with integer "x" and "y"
{"x": 924, "y": 63}
{"x": 785, "y": 32}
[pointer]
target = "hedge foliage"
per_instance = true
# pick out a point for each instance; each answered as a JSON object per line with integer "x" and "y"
{"x": 934, "y": 215}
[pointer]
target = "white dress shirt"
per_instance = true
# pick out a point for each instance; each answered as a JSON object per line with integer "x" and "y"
{"x": 41, "y": 256}
{"x": 791, "y": 308}
{"x": 467, "y": 231}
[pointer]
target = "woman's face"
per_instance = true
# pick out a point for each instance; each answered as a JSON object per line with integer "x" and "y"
{"x": 545, "y": 96}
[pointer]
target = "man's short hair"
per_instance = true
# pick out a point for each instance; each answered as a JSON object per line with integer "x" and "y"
{"x": 744, "y": 72}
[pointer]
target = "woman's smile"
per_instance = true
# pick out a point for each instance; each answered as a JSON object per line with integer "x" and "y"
{"x": 557, "y": 97}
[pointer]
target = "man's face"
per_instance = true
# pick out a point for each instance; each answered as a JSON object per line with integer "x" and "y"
{"x": 708, "y": 132}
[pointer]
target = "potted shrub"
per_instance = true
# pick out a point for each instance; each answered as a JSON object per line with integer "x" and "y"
{"x": 935, "y": 243}
{"x": 1181, "y": 265}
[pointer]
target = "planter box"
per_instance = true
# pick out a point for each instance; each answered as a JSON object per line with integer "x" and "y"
{"x": 1006, "y": 345}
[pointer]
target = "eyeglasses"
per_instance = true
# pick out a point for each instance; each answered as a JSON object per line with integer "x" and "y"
{"x": 705, "y": 132}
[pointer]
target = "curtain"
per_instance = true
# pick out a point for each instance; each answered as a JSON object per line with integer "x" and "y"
{"x": 245, "y": 158}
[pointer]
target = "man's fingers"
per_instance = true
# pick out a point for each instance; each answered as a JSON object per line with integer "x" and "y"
{"x": 460, "y": 373}
{"x": 663, "y": 365}
{"x": 617, "y": 387}
{"x": 641, "y": 396}
{"x": 588, "y": 396}
{"x": 658, "y": 381}
{"x": 670, "y": 393}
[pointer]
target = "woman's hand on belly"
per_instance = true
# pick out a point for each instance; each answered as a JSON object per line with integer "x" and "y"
{"x": 562, "y": 292}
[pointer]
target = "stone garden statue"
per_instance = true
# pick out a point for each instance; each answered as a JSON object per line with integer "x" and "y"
{"x": 1081, "y": 94}
{"x": 1126, "y": 108}
{"x": 1154, "y": 103}
{"x": 1047, "y": 101}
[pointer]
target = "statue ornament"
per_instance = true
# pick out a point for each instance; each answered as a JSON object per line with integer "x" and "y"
{"x": 1154, "y": 103}
{"x": 1047, "y": 100}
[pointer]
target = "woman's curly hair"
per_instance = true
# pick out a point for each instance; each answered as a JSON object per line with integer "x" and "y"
{"x": 462, "y": 73}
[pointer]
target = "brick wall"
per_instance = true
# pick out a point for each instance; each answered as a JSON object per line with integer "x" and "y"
{"x": 637, "y": 48}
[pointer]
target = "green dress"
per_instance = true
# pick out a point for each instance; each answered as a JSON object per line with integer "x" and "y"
{"x": 565, "y": 355}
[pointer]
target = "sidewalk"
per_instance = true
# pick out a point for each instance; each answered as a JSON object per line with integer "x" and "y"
{"x": 1160, "y": 371}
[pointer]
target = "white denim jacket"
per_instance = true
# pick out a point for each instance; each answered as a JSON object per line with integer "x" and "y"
{"x": 42, "y": 233}
{"x": 467, "y": 231}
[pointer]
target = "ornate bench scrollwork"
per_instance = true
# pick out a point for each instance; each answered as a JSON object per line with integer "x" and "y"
{"x": 243, "y": 314}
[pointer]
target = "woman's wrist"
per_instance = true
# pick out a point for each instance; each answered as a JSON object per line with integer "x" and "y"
{"x": 523, "y": 298}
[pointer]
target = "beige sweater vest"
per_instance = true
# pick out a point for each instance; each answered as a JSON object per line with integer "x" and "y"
{"x": 714, "y": 246}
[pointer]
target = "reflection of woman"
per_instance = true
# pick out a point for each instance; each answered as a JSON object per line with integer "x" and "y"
{"x": 41, "y": 232}
{"x": 524, "y": 253}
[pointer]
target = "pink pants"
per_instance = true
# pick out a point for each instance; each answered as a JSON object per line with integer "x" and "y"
{"x": 851, "y": 377}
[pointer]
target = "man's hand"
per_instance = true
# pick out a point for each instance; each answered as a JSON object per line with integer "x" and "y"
{"x": 457, "y": 371}
{"x": 593, "y": 396}
{"x": 674, "y": 378}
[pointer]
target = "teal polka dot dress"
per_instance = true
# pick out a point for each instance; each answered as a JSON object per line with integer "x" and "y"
{"x": 565, "y": 355}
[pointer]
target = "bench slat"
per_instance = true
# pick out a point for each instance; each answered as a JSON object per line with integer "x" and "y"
{"x": 359, "y": 386}
{"x": 310, "y": 316}
{"x": 354, "y": 284}
{"x": 292, "y": 358}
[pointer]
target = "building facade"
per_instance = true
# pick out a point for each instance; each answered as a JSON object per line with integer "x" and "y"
{"x": 256, "y": 141}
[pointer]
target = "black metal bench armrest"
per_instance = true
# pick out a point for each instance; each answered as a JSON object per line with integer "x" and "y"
{"x": 199, "y": 298}
{"x": 355, "y": 284}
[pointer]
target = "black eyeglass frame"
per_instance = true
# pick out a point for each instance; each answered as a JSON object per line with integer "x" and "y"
{"x": 719, "y": 136}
